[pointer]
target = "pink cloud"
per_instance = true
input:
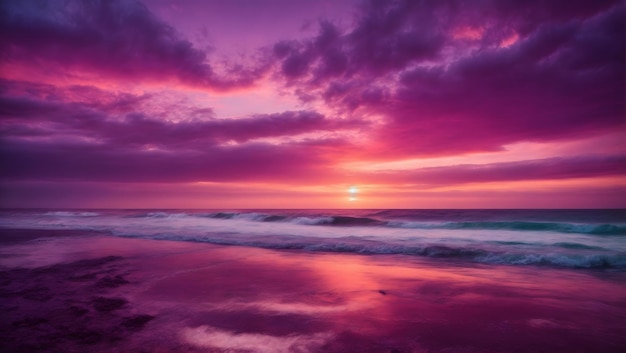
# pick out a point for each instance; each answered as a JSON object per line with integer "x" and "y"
{"x": 542, "y": 169}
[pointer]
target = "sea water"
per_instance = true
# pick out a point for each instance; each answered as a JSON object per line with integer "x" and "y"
{"x": 562, "y": 238}
{"x": 341, "y": 281}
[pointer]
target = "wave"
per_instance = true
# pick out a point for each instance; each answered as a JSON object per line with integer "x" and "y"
{"x": 248, "y": 216}
{"x": 337, "y": 221}
{"x": 595, "y": 260}
{"x": 577, "y": 246}
{"x": 591, "y": 261}
{"x": 71, "y": 214}
{"x": 350, "y": 221}
{"x": 356, "y": 232}
{"x": 594, "y": 229}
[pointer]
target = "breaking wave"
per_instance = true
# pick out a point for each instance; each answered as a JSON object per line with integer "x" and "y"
{"x": 596, "y": 229}
{"x": 368, "y": 247}
{"x": 71, "y": 214}
{"x": 581, "y": 239}
{"x": 347, "y": 221}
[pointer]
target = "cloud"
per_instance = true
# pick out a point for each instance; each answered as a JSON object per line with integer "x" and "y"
{"x": 529, "y": 71}
{"x": 83, "y": 133}
{"x": 123, "y": 119}
{"x": 541, "y": 169}
{"x": 387, "y": 36}
{"x": 405, "y": 79}
{"x": 118, "y": 39}
{"x": 108, "y": 162}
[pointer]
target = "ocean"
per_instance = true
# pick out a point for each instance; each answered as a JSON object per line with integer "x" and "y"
{"x": 562, "y": 238}
{"x": 313, "y": 281}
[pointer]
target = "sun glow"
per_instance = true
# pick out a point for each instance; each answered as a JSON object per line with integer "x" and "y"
{"x": 353, "y": 191}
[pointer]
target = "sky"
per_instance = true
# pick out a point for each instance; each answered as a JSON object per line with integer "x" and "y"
{"x": 312, "y": 104}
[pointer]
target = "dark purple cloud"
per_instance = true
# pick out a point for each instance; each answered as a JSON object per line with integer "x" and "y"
{"x": 545, "y": 87}
{"x": 561, "y": 75}
{"x": 116, "y": 38}
{"x": 49, "y": 133}
{"x": 387, "y": 36}
{"x": 81, "y": 161}
{"x": 262, "y": 162}
{"x": 120, "y": 119}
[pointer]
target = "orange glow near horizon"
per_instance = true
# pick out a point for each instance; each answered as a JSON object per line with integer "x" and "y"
{"x": 572, "y": 193}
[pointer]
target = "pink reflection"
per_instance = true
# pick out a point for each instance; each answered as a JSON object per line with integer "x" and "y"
{"x": 339, "y": 301}
{"x": 207, "y": 297}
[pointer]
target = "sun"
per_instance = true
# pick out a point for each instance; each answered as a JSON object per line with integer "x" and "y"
{"x": 352, "y": 191}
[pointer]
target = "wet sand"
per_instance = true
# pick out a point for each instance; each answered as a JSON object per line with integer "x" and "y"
{"x": 105, "y": 294}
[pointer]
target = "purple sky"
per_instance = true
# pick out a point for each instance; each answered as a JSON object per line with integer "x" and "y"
{"x": 282, "y": 103}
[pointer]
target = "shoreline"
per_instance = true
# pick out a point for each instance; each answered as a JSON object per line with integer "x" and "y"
{"x": 194, "y": 297}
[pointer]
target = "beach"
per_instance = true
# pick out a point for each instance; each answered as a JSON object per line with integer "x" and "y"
{"x": 102, "y": 293}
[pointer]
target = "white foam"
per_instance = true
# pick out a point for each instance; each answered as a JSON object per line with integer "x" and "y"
{"x": 254, "y": 217}
{"x": 565, "y": 260}
{"x": 166, "y": 215}
{"x": 71, "y": 214}
{"x": 209, "y": 337}
{"x": 311, "y": 220}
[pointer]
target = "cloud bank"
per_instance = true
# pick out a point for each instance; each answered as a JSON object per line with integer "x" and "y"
{"x": 86, "y": 93}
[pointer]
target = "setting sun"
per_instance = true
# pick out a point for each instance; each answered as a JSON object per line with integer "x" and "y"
{"x": 353, "y": 191}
